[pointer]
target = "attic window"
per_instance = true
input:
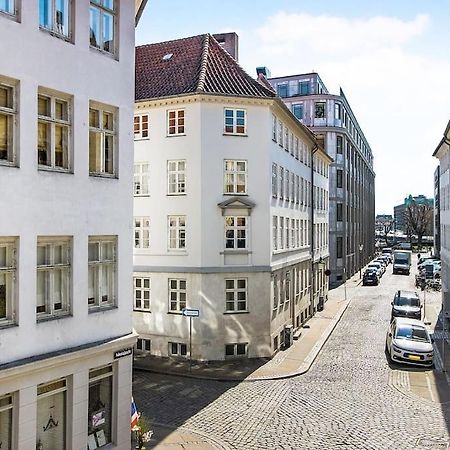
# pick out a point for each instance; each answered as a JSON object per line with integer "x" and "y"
{"x": 167, "y": 57}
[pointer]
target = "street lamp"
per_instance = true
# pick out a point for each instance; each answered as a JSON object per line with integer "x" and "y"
{"x": 361, "y": 246}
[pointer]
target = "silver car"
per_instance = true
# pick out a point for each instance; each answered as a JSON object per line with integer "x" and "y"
{"x": 408, "y": 342}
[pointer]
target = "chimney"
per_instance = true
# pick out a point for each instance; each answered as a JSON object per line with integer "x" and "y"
{"x": 264, "y": 71}
{"x": 229, "y": 41}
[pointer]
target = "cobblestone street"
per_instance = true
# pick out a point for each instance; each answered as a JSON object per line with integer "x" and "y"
{"x": 350, "y": 398}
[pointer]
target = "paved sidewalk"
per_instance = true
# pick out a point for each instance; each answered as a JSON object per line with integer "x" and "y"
{"x": 288, "y": 363}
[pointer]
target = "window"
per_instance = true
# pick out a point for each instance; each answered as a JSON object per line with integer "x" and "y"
{"x": 101, "y": 141}
{"x": 143, "y": 345}
{"x": 235, "y": 121}
{"x": 8, "y": 7}
{"x": 297, "y": 110}
{"x": 319, "y": 110}
{"x": 275, "y": 292}
{"x": 297, "y": 189}
{"x": 274, "y": 180}
{"x": 177, "y": 295}
{"x": 235, "y": 177}
{"x": 286, "y": 138}
{"x": 142, "y": 294}
{"x": 8, "y": 267}
{"x": 51, "y": 404}
{"x": 291, "y": 187}
{"x": 8, "y": 114}
{"x": 303, "y": 87}
{"x": 175, "y": 122}
{"x": 141, "y": 126}
{"x": 6, "y": 417}
{"x": 275, "y": 232}
{"x": 235, "y": 232}
{"x": 339, "y": 246}
{"x": 288, "y": 185}
{"x": 339, "y": 145}
{"x": 337, "y": 111}
{"x": 280, "y": 133}
{"x": 102, "y": 16}
{"x": 100, "y": 408}
{"x": 293, "y": 245}
{"x": 177, "y": 349}
{"x": 281, "y": 233}
{"x": 102, "y": 271}
{"x": 236, "y": 295}
{"x": 296, "y": 148}
{"x": 141, "y": 179}
{"x": 339, "y": 212}
{"x": 53, "y": 132}
{"x": 274, "y": 128}
{"x": 287, "y": 222}
{"x": 141, "y": 232}
{"x": 339, "y": 178}
{"x": 54, "y": 16}
{"x": 281, "y": 183}
{"x": 235, "y": 350}
{"x": 177, "y": 232}
{"x": 176, "y": 177}
{"x": 53, "y": 276}
{"x": 282, "y": 90}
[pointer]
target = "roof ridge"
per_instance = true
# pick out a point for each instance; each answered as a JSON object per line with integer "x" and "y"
{"x": 150, "y": 44}
{"x": 203, "y": 64}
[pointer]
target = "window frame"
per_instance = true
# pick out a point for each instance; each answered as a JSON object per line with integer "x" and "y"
{"x": 236, "y": 229}
{"x": 236, "y": 290}
{"x": 53, "y": 30}
{"x": 296, "y": 106}
{"x": 179, "y": 129}
{"x": 52, "y": 122}
{"x": 141, "y": 232}
{"x": 142, "y": 289}
{"x": 12, "y": 117}
{"x": 180, "y": 233}
{"x": 324, "y": 106}
{"x": 180, "y": 182}
{"x": 50, "y": 267}
{"x": 234, "y": 122}
{"x": 180, "y": 304}
{"x": 141, "y": 179}
{"x": 104, "y": 132}
{"x": 9, "y": 271}
{"x": 234, "y": 175}
{"x": 142, "y": 342}
{"x": 235, "y": 354}
{"x": 11, "y": 15}
{"x": 99, "y": 5}
{"x": 139, "y": 135}
{"x": 179, "y": 352}
{"x": 101, "y": 264}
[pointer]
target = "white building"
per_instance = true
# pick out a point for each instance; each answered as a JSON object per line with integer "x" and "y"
{"x": 66, "y": 90}
{"x": 223, "y": 207}
{"x": 442, "y": 152}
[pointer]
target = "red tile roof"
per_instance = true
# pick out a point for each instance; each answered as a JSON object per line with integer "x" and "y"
{"x": 198, "y": 65}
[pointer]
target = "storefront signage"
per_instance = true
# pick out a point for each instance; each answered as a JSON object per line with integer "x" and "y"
{"x": 122, "y": 353}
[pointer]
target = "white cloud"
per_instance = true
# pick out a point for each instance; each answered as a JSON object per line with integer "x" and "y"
{"x": 400, "y": 97}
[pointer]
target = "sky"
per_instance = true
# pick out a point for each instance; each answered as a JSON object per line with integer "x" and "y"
{"x": 391, "y": 58}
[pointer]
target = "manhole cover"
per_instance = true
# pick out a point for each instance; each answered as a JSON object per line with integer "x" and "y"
{"x": 432, "y": 444}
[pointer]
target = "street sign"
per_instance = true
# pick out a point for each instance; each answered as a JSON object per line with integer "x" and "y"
{"x": 190, "y": 312}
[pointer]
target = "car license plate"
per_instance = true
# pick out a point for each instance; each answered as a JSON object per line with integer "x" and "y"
{"x": 414, "y": 357}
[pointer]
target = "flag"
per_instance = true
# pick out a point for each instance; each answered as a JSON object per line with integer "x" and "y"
{"x": 134, "y": 414}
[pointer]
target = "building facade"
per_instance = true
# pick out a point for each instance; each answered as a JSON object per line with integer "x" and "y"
{"x": 234, "y": 178}
{"x": 437, "y": 214}
{"x": 66, "y": 106}
{"x": 352, "y": 178}
{"x": 442, "y": 153}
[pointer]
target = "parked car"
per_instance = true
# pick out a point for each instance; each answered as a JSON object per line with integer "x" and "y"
{"x": 385, "y": 258}
{"x": 422, "y": 259}
{"x": 406, "y": 304}
{"x": 387, "y": 251}
{"x": 408, "y": 341}
{"x": 382, "y": 261}
{"x": 370, "y": 278}
{"x": 377, "y": 265}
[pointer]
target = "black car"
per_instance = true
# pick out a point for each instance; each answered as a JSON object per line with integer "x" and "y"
{"x": 370, "y": 277}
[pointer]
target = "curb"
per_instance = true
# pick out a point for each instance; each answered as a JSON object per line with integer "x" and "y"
{"x": 311, "y": 357}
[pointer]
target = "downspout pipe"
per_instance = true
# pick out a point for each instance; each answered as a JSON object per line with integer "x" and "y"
{"x": 313, "y": 243}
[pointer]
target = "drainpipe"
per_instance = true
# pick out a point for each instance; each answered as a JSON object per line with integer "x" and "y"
{"x": 313, "y": 243}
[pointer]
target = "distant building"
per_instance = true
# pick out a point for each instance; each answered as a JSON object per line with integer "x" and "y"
{"x": 442, "y": 152}
{"x": 240, "y": 188}
{"x": 381, "y": 221}
{"x": 400, "y": 212}
{"x": 352, "y": 178}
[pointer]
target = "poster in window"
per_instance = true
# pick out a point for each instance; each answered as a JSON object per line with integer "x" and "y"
{"x": 101, "y": 438}
{"x": 92, "y": 443}
{"x": 98, "y": 418}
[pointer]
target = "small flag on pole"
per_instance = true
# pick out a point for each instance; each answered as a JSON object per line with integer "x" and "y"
{"x": 134, "y": 414}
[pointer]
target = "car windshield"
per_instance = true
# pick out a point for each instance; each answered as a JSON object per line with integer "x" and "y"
{"x": 406, "y": 301}
{"x": 374, "y": 265}
{"x": 412, "y": 333}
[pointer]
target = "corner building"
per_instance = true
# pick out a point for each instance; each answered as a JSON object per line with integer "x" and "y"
{"x": 66, "y": 98}
{"x": 352, "y": 178}
{"x": 237, "y": 183}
